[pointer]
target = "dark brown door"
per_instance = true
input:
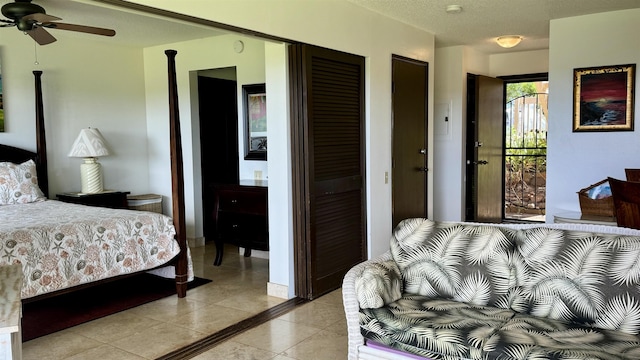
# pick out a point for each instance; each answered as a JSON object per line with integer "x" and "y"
{"x": 409, "y": 156}
{"x": 328, "y": 166}
{"x": 485, "y": 169}
{"x": 218, "y": 141}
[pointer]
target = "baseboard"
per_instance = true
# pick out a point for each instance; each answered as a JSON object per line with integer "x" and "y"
{"x": 277, "y": 290}
{"x": 255, "y": 253}
{"x": 195, "y": 242}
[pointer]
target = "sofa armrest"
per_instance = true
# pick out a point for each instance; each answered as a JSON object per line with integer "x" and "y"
{"x": 351, "y": 303}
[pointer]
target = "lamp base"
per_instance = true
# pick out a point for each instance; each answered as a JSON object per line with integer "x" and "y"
{"x": 91, "y": 176}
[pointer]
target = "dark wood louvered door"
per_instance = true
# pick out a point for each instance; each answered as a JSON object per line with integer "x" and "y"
{"x": 329, "y": 150}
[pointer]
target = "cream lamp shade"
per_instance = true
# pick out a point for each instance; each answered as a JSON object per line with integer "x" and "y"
{"x": 90, "y": 145}
{"x": 509, "y": 41}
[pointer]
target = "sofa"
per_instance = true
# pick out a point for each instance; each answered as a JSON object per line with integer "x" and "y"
{"x": 456, "y": 290}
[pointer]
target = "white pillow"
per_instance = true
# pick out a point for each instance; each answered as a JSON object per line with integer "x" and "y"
{"x": 19, "y": 183}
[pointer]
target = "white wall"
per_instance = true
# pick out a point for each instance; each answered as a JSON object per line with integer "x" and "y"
{"x": 334, "y": 24}
{"x": 577, "y": 160}
{"x": 519, "y": 63}
{"x": 209, "y": 53}
{"x": 85, "y": 83}
{"x": 452, "y": 66}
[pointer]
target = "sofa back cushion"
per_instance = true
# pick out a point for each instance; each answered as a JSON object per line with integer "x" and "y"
{"x": 589, "y": 278}
{"x": 475, "y": 264}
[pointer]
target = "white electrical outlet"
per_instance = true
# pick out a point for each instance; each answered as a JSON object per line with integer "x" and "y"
{"x": 257, "y": 175}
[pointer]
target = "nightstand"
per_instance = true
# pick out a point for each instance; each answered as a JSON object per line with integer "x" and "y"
{"x": 110, "y": 199}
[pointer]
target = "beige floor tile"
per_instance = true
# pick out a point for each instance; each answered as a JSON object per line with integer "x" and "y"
{"x": 60, "y": 345}
{"x": 233, "y": 350}
{"x": 169, "y": 308}
{"x": 276, "y": 335}
{"x": 282, "y": 357}
{"x": 157, "y": 340}
{"x": 214, "y": 292}
{"x": 339, "y": 327}
{"x": 252, "y": 300}
{"x": 324, "y": 345}
{"x": 105, "y": 352}
{"x": 332, "y": 298}
{"x": 114, "y": 327}
{"x": 315, "y": 314}
{"x": 212, "y": 318}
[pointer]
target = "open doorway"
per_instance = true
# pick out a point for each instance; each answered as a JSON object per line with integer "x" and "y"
{"x": 218, "y": 115}
{"x": 507, "y": 122}
{"x": 525, "y": 148}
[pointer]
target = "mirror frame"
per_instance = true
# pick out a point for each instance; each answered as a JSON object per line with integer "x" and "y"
{"x": 255, "y": 142}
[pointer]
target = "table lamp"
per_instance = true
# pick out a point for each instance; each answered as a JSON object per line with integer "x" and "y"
{"x": 90, "y": 145}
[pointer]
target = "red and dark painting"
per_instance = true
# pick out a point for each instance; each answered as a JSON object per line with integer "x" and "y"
{"x": 603, "y": 99}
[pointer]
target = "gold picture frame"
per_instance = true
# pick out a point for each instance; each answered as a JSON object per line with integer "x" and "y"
{"x": 603, "y": 98}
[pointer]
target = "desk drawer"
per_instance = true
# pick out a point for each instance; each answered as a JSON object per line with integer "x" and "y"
{"x": 244, "y": 230}
{"x": 243, "y": 202}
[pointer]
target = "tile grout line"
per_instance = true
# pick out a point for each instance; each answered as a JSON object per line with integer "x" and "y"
{"x": 208, "y": 342}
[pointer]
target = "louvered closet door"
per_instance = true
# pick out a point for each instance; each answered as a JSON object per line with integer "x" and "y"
{"x": 331, "y": 129}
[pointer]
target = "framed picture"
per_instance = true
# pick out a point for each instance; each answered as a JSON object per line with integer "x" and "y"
{"x": 603, "y": 98}
{"x": 255, "y": 112}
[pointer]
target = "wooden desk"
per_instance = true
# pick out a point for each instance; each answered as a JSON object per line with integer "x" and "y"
{"x": 240, "y": 214}
{"x": 575, "y": 217}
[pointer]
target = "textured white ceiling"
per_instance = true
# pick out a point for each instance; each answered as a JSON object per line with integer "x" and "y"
{"x": 132, "y": 29}
{"x": 481, "y": 21}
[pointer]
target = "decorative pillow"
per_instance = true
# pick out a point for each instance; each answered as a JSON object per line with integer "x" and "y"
{"x": 380, "y": 284}
{"x": 19, "y": 183}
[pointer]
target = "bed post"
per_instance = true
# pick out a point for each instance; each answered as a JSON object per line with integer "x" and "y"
{"x": 41, "y": 139}
{"x": 177, "y": 176}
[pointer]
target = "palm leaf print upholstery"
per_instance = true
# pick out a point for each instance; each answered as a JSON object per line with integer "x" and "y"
{"x": 472, "y": 291}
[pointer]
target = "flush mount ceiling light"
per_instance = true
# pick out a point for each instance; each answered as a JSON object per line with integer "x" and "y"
{"x": 509, "y": 41}
{"x": 453, "y": 9}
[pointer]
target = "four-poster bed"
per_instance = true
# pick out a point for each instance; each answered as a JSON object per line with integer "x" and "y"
{"x": 81, "y": 246}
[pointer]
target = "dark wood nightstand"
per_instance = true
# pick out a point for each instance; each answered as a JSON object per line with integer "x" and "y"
{"x": 110, "y": 199}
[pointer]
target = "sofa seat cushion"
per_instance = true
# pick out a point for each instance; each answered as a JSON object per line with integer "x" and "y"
{"x": 530, "y": 337}
{"x": 434, "y": 328}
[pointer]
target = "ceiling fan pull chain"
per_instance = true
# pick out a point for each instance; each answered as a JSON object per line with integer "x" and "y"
{"x": 35, "y": 52}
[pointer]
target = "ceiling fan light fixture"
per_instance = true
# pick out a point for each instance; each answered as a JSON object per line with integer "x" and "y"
{"x": 509, "y": 41}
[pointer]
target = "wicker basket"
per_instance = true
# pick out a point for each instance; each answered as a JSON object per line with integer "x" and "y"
{"x": 145, "y": 202}
{"x": 596, "y": 207}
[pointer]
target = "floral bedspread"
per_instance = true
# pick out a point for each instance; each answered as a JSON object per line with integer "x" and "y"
{"x": 61, "y": 245}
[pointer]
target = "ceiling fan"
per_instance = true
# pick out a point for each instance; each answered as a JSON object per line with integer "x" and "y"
{"x": 32, "y": 20}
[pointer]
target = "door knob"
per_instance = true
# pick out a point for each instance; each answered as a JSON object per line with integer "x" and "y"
{"x": 423, "y": 151}
{"x": 481, "y": 162}
{"x": 423, "y": 169}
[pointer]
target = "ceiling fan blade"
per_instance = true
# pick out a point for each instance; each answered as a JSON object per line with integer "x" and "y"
{"x": 80, "y": 28}
{"x": 41, "y": 36}
{"x": 8, "y": 21}
{"x": 40, "y": 17}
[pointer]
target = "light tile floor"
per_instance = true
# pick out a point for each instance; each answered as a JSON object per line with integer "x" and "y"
{"x": 316, "y": 330}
